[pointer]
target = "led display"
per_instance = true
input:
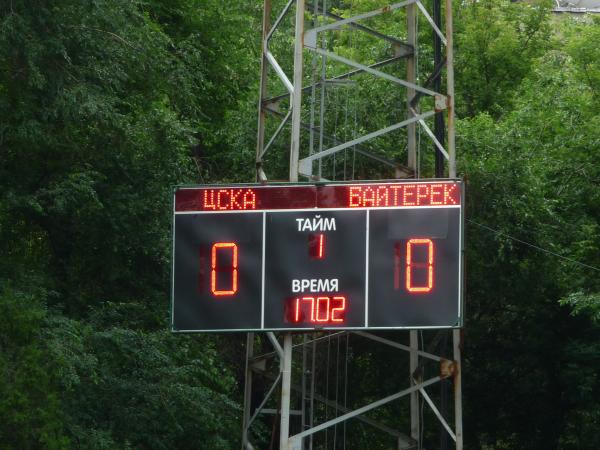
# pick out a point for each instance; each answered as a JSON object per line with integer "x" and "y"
{"x": 385, "y": 255}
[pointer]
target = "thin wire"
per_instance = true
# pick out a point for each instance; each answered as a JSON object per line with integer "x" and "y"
{"x": 327, "y": 391}
{"x": 416, "y": 51}
{"x": 312, "y": 388}
{"x": 354, "y": 136}
{"x": 337, "y": 386}
{"x": 346, "y": 385}
{"x": 574, "y": 261}
{"x": 421, "y": 403}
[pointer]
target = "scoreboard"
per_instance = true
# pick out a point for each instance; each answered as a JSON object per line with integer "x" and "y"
{"x": 385, "y": 255}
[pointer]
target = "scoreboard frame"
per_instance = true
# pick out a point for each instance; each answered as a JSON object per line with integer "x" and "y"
{"x": 263, "y": 211}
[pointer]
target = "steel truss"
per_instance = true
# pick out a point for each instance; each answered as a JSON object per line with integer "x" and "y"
{"x": 257, "y": 366}
{"x": 308, "y": 39}
{"x": 443, "y": 101}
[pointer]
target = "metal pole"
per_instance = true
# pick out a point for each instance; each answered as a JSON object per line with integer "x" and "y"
{"x": 411, "y": 76}
{"x": 456, "y": 335}
{"x": 297, "y": 95}
{"x": 303, "y": 385}
{"x": 415, "y": 426}
{"x": 313, "y": 369}
{"x": 286, "y": 380}
{"x": 450, "y": 83}
{"x": 247, "y": 390}
{"x": 264, "y": 73}
{"x": 286, "y": 388}
{"x": 439, "y": 130}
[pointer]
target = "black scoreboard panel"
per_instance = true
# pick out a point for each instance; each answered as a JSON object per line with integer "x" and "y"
{"x": 411, "y": 290}
{"x": 322, "y": 256}
{"x": 329, "y": 256}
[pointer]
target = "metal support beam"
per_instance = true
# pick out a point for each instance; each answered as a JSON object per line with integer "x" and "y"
{"x": 351, "y": 20}
{"x": 450, "y": 90}
{"x": 273, "y": 354}
{"x": 276, "y": 345}
{"x": 439, "y": 127}
{"x": 264, "y": 74}
{"x": 276, "y": 134}
{"x": 457, "y": 344}
{"x": 282, "y": 14}
{"x": 432, "y": 23}
{"x": 247, "y": 391}
{"x": 375, "y": 72}
{"x": 366, "y": 137}
{"x": 297, "y": 94}
{"x": 415, "y": 424}
{"x": 303, "y": 382}
{"x": 359, "y": 149}
{"x": 286, "y": 381}
{"x": 261, "y": 407}
{"x": 332, "y": 80}
{"x": 364, "y": 409}
{"x": 407, "y": 49}
{"x": 443, "y": 99}
{"x": 411, "y": 348}
{"x": 411, "y": 77}
{"x": 405, "y": 440}
{"x": 437, "y": 413}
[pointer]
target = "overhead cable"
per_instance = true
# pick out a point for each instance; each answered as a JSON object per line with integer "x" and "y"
{"x": 574, "y": 261}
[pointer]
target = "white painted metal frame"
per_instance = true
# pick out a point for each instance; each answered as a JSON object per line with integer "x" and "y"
{"x": 294, "y": 88}
{"x": 441, "y": 100}
{"x": 295, "y": 442}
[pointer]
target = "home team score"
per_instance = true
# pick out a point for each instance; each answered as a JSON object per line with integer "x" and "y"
{"x": 306, "y": 256}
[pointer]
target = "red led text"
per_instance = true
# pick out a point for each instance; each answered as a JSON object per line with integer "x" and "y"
{"x": 229, "y": 199}
{"x": 316, "y": 246}
{"x": 318, "y": 309}
{"x": 394, "y": 195}
{"x": 414, "y": 268}
{"x": 215, "y": 269}
{"x": 412, "y": 265}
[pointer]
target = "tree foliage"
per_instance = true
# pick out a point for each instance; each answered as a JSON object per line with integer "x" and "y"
{"x": 105, "y": 106}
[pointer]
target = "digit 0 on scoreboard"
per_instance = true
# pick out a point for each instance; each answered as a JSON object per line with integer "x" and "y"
{"x": 374, "y": 255}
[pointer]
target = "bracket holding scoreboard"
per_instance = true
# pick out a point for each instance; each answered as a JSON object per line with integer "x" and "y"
{"x": 385, "y": 255}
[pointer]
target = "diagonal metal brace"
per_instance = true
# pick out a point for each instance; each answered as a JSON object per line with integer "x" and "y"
{"x": 366, "y": 137}
{"x": 375, "y": 72}
{"x": 437, "y": 413}
{"x": 407, "y": 50}
{"x": 313, "y": 32}
{"x": 362, "y": 410}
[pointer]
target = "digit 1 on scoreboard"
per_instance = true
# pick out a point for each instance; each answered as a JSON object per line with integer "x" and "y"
{"x": 316, "y": 246}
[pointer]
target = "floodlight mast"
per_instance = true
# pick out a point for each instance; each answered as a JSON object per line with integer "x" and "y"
{"x": 301, "y": 165}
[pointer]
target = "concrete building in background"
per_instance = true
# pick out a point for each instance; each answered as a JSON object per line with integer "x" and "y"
{"x": 577, "y": 6}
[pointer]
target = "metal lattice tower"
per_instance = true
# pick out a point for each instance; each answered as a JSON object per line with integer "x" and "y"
{"x": 287, "y": 118}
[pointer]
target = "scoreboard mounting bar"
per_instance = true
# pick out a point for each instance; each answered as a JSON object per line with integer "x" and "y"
{"x": 373, "y": 255}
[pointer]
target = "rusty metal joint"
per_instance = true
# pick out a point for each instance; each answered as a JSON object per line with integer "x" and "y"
{"x": 441, "y": 102}
{"x": 448, "y": 368}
